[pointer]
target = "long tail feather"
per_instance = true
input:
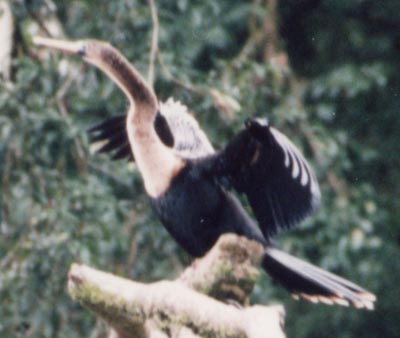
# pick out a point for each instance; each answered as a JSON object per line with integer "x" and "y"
{"x": 309, "y": 282}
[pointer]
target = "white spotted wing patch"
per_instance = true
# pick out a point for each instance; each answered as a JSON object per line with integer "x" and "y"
{"x": 190, "y": 141}
{"x": 296, "y": 164}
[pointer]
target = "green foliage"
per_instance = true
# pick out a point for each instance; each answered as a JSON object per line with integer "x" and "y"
{"x": 338, "y": 100}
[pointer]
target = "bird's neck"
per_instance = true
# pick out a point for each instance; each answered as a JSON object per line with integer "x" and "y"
{"x": 157, "y": 163}
{"x": 118, "y": 68}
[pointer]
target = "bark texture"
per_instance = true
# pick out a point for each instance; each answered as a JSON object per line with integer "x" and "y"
{"x": 192, "y": 305}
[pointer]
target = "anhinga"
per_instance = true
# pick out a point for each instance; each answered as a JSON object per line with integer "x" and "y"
{"x": 188, "y": 181}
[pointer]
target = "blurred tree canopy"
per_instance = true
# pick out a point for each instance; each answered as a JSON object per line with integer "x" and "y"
{"x": 326, "y": 72}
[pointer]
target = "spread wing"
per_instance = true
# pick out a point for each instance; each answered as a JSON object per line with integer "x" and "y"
{"x": 260, "y": 162}
{"x": 175, "y": 126}
{"x": 267, "y": 167}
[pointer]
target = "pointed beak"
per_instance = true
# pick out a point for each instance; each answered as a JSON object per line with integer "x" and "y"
{"x": 69, "y": 47}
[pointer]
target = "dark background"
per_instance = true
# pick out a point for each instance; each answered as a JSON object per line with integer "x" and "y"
{"x": 324, "y": 72}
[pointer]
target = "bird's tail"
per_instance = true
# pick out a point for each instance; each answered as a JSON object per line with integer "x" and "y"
{"x": 307, "y": 281}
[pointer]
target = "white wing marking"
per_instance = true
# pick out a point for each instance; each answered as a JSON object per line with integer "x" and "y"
{"x": 190, "y": 141}
{"x": 300, "y": 166}
{"x": 281, "y": 141}
{"x": 304, "y": 174}
{"x": 296, "y": 169}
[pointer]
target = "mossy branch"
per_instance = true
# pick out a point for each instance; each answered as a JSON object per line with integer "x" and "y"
{"x": 177, "y": 307}
{"x": 229, "y": 271}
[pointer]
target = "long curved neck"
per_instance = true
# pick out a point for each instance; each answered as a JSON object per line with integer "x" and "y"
{"x": 156, "y": 162}
{"x": 118, "y": 68}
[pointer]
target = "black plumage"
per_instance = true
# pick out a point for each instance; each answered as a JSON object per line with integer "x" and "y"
{"x": 190, "y": 185}
{"x": 253, "y": 163}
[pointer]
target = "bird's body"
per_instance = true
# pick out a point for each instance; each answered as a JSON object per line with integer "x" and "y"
{"x": 196, "y": 210}
{"x": 190, "y": 185}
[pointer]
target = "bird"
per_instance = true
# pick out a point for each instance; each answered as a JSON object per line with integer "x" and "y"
{"x": 193, "y": 188}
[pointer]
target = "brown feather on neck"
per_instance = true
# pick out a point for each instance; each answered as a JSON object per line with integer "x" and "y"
{"x": 157, "y": 164}
{"x": 128, "y": 77}
{"x": 118, "y": 68}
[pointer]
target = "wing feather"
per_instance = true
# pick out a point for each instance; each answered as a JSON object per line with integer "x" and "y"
{"x": 175, "y": 126}
{"x": 268, "y": 168}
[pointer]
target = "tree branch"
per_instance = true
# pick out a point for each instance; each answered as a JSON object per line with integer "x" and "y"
{"x": 229, "y": 271}
{"x": 154, "y": 42}
{"x": 6, "y": 38}
{"x": 172, "y": 308}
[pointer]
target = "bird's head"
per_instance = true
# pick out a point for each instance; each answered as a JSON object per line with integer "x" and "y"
{"x": 110, "y": 61}
{"x": 92, "y": 51}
